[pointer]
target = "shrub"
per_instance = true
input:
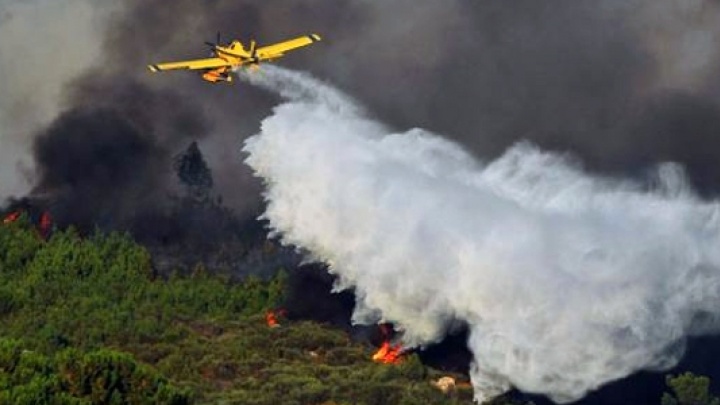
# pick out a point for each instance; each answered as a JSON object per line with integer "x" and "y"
{"x": 72, "y": 377}
{"x": 689, "y": 389}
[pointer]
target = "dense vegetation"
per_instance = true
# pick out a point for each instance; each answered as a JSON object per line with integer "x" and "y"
{"x": 87, "y": 320}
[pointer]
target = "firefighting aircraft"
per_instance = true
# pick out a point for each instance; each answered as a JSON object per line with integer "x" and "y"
{"x": 224, "y": 59}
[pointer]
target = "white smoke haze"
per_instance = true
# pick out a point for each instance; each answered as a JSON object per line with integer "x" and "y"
{"x": 44, "y": 44}
{"x": 566, "y": 280}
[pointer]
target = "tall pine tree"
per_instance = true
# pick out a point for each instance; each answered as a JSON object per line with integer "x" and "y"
{"x": 194, "y": 173}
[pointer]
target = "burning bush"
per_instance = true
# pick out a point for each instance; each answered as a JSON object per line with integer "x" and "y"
{"x": 40, "y": 218}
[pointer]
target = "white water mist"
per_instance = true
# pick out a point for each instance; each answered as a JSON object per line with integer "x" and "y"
{"x": 567, "y": 280}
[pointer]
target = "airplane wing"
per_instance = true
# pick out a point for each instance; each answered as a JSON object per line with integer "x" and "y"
{"x": 208, "y": 63}
{"x": 277, "y": 50}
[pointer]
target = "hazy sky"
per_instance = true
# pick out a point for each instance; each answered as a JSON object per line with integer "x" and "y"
{"x": 43, "y": 43}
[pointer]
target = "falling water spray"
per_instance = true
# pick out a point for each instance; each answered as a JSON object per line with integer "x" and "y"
{"x": 566, "y": 280}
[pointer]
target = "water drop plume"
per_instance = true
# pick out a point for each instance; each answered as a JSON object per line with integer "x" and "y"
{"x": 567, "y": 280}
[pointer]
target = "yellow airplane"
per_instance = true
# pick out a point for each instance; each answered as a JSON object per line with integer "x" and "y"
{"x": 224, "y": 59}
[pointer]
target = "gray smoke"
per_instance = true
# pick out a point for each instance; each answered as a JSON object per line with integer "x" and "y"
{"x": 623, "y": 84}
{"x": 566, "y": 280}
{"x": 43, "y": 44}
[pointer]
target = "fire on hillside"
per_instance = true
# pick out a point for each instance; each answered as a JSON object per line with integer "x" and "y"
{"x": 389, "y": 352}
{"x": 40, "y": 218}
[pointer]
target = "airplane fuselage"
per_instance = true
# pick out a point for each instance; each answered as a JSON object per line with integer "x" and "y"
{"x": 235, "y": 55}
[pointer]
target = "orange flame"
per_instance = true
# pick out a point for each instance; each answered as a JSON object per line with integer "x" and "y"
{"x": 43, "y": 227}
{"x": 12, "y": 217}
{"x": 388, "y": 353}
{"x": 271, "y": 317}
{"x": 45, "y": 224}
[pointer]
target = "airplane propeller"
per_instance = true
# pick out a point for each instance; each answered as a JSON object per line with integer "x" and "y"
{"x": 214, "y": 45}
{"x": 253, "y": 51}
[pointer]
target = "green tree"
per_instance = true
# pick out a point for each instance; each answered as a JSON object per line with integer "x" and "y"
{"x": 689, "y": 389}
{"x": 194, "y": 173}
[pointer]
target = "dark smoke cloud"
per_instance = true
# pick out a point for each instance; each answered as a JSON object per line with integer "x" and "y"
{"x": 621, "y": 84}
{"x": 105, "y": 159}
{"x": 605, "y": 80}
{"x": 105, "y": 150}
